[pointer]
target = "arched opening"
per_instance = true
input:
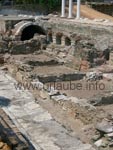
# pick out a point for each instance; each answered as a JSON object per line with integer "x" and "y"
{"x": 106, "y": 54}
{"x": 58, "y": 39}
{"x": 49, "y": 38}
{"x": 29, "y": 31}
{"x": 67, "y": 41}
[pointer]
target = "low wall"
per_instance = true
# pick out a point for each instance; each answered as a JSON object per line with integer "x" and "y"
{"x": 76, "y": 108}
{"x": 91, "y": 30}
{"x": 63, "y": 77}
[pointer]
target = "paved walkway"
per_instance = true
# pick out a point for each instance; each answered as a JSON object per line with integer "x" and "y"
{"x": 35, "y": 122}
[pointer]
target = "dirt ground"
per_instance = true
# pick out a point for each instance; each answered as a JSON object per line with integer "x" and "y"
{"x": 67, "y": 119}
{"x": 82, "y": 89}
{"x": 90, "y": 13}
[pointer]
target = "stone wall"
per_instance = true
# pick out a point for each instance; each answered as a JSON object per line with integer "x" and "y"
{"x": 62, "y": 77}
{"x": 111, "y": 58}
{"x": 96, "y": 31}
{"x": 7, "y": 44}
{"x": 2, "y": 26}
{"x": 78, "y": 108}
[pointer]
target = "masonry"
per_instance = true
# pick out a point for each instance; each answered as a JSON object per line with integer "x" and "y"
{"x": 58, "y": 31}
{"x": 59, "y": 60}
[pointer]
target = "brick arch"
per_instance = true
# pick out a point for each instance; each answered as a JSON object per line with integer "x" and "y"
{"x": 25, "y": 26}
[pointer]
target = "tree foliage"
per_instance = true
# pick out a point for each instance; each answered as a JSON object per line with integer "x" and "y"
{"x": 48, "y": 3}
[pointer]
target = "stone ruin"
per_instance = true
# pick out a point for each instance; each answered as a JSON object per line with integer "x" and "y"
{"x": 10, "y": 137}
{"x": 75, "y": 49}
{"x": 57, "y": 56}
{"x": 12, "y": 46}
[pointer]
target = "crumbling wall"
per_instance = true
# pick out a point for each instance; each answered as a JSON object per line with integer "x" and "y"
{"x": 12, "y": 46}
{"x": 2, "y": 26}
{"x": 90, "y": 54}
{"x": 77, "y": 108}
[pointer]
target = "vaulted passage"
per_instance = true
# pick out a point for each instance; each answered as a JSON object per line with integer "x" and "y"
{"x": 67, "y": 41}
{"x": 58, "y": 39}
{"x": 29, "y": 32}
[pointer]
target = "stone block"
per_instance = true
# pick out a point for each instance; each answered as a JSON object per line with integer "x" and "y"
{"x": 19, "y": 76}
{"x": 111, "y": 58}
{"x": 44, "y": 94}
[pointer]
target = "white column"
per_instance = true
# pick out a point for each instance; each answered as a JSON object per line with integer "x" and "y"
{"x": 63, "y": 8}
{"x": 78, "y": 9}
{"x": 70, "y": 8}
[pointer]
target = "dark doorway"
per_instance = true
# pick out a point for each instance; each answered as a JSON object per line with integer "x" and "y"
{"x": 67, "y": 41}
{"x": 58, "y": 39}
{"x": 28, "y": 32}
{"x": 50, "y": 38}
{"x": 106, "y": 54}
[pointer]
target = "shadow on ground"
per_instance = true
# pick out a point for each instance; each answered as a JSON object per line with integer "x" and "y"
{"x": 4, "y": 101}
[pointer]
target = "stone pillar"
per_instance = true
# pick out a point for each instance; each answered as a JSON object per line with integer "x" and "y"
{"x": 48, "y": 41}
{"x": 63, "y": 8}
{"x": 63, "y": 41}
{"x": 78, "y": 9}
{"x": 70, "y": 8}
{"x": 111, "y": 58}
{"x": 72, "y": 42}
{"x": 54, "y": 39}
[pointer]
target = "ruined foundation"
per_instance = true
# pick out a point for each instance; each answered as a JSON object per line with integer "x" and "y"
{"x": 69, "y": 72}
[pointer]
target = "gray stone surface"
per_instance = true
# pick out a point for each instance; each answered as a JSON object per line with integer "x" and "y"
{"x": 104, "y": 127}
{"x": 35, "y": 122}
{"x": 98, "y": 143}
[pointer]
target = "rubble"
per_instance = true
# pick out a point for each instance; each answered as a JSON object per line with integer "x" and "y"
{"x": 102, "y": 99}
{"x": 37, "y": 43}
{"x": 105, "y": 134}
{"x": 10, "y": 136}
{"x": 1, "y": 59}
{"x": 59, "y": 97}
{"x": 98, "y": 143}
{"x": 24, "y": 47}
{"x": 104, "y": 127}
{"x": 44, "y": 94}
{"x": 93, "y": 76}
{"x": 24, "y": 67}
{"x": 37, "y": 63}
{"x": 108, "y": 76}
{"x": 38, "y": 85}
{"x": 52, "y": 91}
{"x": 4, "y": 146}
{"x": 3, "y": 46}
{"x": 85, "y": 65}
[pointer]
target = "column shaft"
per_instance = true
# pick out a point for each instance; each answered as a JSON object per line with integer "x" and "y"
{"x": 78, "y": 9}
{"x": 70, "y": 8}
{"x": 63, "y": 8}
